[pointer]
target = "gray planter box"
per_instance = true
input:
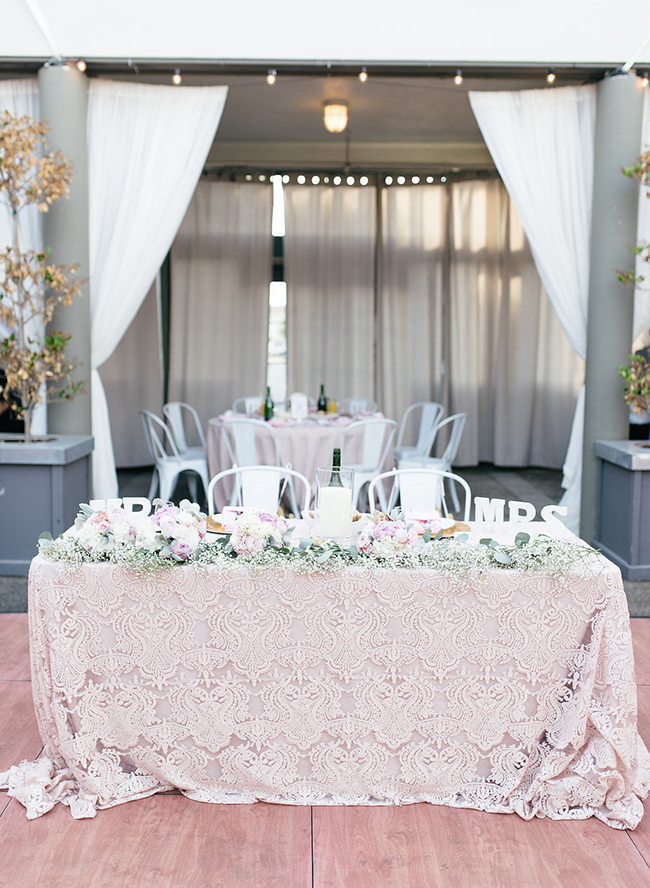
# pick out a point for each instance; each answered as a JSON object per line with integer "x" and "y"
{"x": 41, "y": 486}
{"x": 623, "y": 505}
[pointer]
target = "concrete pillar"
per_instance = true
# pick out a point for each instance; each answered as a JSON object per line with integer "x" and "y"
{"x": 610, "y": 307}
{"x": 64, "y": 103}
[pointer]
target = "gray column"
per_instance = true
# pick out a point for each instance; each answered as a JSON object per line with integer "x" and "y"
{"x": 64, "y": 102}
{"x": 610, "y": 312}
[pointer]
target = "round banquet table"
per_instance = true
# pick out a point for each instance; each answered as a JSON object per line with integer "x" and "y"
{"x": 306, "y": 445}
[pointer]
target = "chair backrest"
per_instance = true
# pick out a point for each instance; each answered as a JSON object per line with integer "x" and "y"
{"x": 377, "y": 437}
{"x": 457, "y": 423}
{"x": 160, "y": 440}
{"x": 175, "y": 413}
{"x": 430, "y": 414}
{"x": 247, "y": 405}
{"x": 260, "y": 487}
{"x": 420, "y": 490}
{"x": 242, "y": 437}
{"x": 354, "y": 406}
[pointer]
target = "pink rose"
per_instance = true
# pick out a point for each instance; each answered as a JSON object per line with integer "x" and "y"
{"x": 180, "y": 549}
{"x": 364, "y": 543}
{"x": 383, "y": 529}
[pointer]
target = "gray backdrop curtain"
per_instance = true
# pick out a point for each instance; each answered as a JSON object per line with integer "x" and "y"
{"x": 329, "y": 253}
{"x": 464, "y": 319}
{"x": 220, "y": 274}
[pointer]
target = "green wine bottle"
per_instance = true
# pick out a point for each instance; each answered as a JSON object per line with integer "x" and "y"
{"x": 335, "y": 479}
{"x": 268, "y": 404}
{"x": 321, "y": 405}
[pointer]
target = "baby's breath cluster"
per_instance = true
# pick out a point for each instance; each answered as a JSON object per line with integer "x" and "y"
{"x": 175, "y": 536}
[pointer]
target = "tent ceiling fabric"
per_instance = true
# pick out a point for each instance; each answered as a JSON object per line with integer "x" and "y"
{"x": 560, "y": 31}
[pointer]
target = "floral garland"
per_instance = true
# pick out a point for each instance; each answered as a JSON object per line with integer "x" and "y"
{"x": 175, "y": 535}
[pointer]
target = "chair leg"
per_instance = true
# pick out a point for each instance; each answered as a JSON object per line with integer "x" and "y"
{"x": 154, "y": 484}
{"x": 192, "y": 484}
{"x": 292, "y": 498}
{"x": 454, "y": 495}
{"x": 167, "y": 485}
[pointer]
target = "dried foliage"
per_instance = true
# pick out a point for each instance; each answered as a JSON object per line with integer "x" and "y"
{"x": 637, "y": 377}
{"x": 31, "y": 286}
{"x": 641, "y": 172}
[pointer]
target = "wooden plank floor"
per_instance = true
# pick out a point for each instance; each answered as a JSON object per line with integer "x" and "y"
{"x": 167, "y": 840}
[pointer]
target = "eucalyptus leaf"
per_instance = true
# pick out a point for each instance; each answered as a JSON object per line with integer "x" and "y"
{"x": 426, "y": 536}
{"x": 486, "y": 541}
{"x": 494, "y": 543}
{"x": 354, "y": 553}
{"x": 462, "y": 537}
{"x": 439, "y": 535}
{"x": 522, "y": 538}
{"x": 502, "y": 557}
{"x": 324, "y": 556}
{"x": 305, "y": 544}
{"x": 46, "y": 535}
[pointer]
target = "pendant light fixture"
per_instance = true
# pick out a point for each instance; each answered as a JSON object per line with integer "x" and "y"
{"x": 335, "y": 115}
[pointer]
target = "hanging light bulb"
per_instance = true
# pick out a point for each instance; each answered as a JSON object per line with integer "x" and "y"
{"x": 363, "y": 75}
{"x": 271, "y": 76}
{"x": 550, "y": 77}
{"x": 458, "y": 79}
{"x": 645, "y": 80}
{"x": 177, "y": 79}
{"x": 81, "y": 65}
{"x": 335, "y": 115}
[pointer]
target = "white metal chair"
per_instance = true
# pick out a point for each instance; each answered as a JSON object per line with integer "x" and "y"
{"x": 260, "y": 487}
{"x": 169, "y": 463}
{"x": 440, "y": 463}
{"x": 430, "y": 414}
{"x": 244, "y": 438}
{"x": 420, "y": 490}
{"x": 378, "y": 435}
{"x": 355, "y": 406}
{"x": 248, "y": 406}
{"x": 177, "y": 414}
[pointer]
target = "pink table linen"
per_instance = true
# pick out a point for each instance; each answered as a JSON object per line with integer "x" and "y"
{"x": 508, "y": 693}
{"x": 305, "y": 445}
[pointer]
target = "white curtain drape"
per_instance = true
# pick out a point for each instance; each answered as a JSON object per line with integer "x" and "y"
{"x": 542, "y": 142}
{"x": 146, "y": 148}
{"x": 329, "y": 269}
{"x": 511, "y": 368}
{"x": 221, "y": 267}
{"x": 413, "y": 277}
{"x": 20, "y": 98}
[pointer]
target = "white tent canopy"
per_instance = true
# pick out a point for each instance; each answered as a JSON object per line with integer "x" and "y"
{"x": 500, "y": 32}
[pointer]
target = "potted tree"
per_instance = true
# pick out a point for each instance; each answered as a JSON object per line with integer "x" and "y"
{"x": 41, "y": 480}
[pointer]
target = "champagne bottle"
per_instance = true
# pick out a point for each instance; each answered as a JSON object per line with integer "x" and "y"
{"x": 268, "y": 404}
{"x": 321, "y": 405}
{"x": 335, "y": 479}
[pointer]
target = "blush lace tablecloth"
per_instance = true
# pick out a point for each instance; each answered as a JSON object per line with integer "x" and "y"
{"x": 508, "y": 693}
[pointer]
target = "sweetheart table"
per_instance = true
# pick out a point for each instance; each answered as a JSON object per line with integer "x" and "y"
{"x": 510, "y": 692}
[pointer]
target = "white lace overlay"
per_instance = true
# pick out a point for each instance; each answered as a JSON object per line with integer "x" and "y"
{"x": 510, "y": 693}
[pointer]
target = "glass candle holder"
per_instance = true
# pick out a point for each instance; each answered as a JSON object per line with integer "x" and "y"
{"x": 334, "y": 502}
